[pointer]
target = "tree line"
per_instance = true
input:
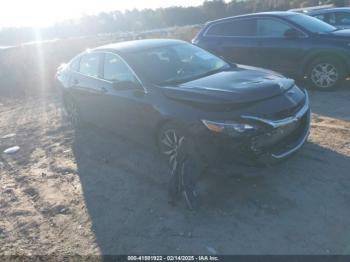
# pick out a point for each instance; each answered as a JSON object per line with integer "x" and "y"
{"x": 147, "y": 19}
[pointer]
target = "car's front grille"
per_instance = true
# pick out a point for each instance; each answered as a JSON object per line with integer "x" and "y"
{"x": 291, "y": 111}
{"x": 284, "y": 131}
{"x": 290, "y": 141}
{"x": 275, "y": 135}
{"x": 288, "y": 112}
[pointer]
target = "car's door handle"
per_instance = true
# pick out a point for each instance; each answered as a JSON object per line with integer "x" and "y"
{"x": 75, "y": 81}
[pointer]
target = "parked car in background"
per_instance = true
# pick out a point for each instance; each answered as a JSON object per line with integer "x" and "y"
{"x": 164, "y": 92}
{"x": 311, "y": 8}
{"x": 291, "y": 43}
{"x": 338, "y": 17}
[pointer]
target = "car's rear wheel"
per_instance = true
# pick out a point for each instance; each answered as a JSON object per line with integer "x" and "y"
{"x": 326, "y": 73}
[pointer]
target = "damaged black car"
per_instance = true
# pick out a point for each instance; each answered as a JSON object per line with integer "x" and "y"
{"x": 165, "y": 92}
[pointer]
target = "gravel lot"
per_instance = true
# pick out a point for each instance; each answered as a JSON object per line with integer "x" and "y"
{"x": 91, "y": 192}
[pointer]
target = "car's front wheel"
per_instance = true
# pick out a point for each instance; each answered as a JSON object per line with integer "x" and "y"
{"x": 170, "y": 140}
{"x": 180, "y": 152}
{"x": 326, "y": 73}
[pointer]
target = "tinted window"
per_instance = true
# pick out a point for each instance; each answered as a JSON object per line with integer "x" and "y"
{"x": 342, "y": 18}
{"x": 328, "y": 18}
{"x": 115, "y": 69}
{"x": 89, "y": 64}
{"x": 244, "y": 27}
{"x": 311, "y": 24}
{"x": 272, "y": 27}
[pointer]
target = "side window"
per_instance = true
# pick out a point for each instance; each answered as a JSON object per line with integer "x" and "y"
{"x": 89, "y": 64}
{"x": 115, "y": 69}
{"x": 74, "y": 65}
{"x": 321, "y": 17}
{"x": 328, "y": 18}
{"x": 244, "y": 27}
{"x": 342, "y": 18}
{"x": 272, "y": 27}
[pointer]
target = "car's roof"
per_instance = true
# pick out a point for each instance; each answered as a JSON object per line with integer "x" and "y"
{"x": 273, "y": 14}
{"x": 138, "y": 45}
{"x": 328, "y": 10}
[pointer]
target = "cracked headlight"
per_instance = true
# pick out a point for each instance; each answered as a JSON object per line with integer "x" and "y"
{"x": 228, "y": 127}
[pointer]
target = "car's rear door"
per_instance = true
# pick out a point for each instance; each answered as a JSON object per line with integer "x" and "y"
{"x": 233, "y": 39}
{"x": 281, "y": 46}
{"x": 86, "y": 87}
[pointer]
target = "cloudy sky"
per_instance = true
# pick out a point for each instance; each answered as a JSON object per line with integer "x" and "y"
{"x": 14, "y": 13}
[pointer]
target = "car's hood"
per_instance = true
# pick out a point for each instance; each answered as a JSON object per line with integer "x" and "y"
{"x": 239, "y": 85}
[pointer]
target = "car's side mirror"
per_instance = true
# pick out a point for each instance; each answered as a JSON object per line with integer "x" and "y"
{"x": 292, "y": 33}
{"x": 126, "y": 85}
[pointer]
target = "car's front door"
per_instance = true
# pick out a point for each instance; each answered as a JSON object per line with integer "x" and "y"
{"x": 281, "y": 46}
{"x": 126, "y": 106}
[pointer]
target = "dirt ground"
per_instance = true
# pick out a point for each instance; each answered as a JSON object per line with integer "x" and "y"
{"x": 91, "y": 192}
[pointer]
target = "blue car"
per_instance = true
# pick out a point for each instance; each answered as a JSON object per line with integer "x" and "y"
{"x": 291, "y": 43}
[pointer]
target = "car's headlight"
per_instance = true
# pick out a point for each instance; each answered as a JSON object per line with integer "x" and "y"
{"x": 229, "y": 127}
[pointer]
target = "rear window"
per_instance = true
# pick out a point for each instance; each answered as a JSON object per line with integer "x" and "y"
{"x": 244, "y": 27}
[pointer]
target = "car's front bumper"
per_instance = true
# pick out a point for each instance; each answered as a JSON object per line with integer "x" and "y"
{"x": 291, "y": 132}
{"x": 279, "y": 140}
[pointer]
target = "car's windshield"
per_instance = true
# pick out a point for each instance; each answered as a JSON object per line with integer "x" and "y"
{"x": 175, "y": 63}
{"x": 311, "y": 24}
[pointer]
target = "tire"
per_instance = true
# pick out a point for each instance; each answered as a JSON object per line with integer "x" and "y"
{"x": 180, "y": 152}
{"x": 169, "y": 141}
{"x": 326, "y": 73}
{"x": 72, "y": 111}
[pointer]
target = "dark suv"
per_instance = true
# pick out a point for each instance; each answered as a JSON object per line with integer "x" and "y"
{"x": 291, "y": 43}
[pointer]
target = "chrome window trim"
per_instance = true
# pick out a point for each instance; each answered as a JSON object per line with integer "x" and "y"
{"x": 205, "y": 34}
{"x": 285, "y": 121}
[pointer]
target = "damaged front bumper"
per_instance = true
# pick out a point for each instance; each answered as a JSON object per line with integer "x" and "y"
{"x": 276, "y": 139}
{"x": 284, "y": 136}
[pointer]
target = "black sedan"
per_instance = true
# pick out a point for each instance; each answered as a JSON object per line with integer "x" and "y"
{"x": 165, "y": 92}
{"x": 291, "y": 43}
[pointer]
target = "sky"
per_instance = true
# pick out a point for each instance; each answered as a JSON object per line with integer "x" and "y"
{"x": 41, "y": 13}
